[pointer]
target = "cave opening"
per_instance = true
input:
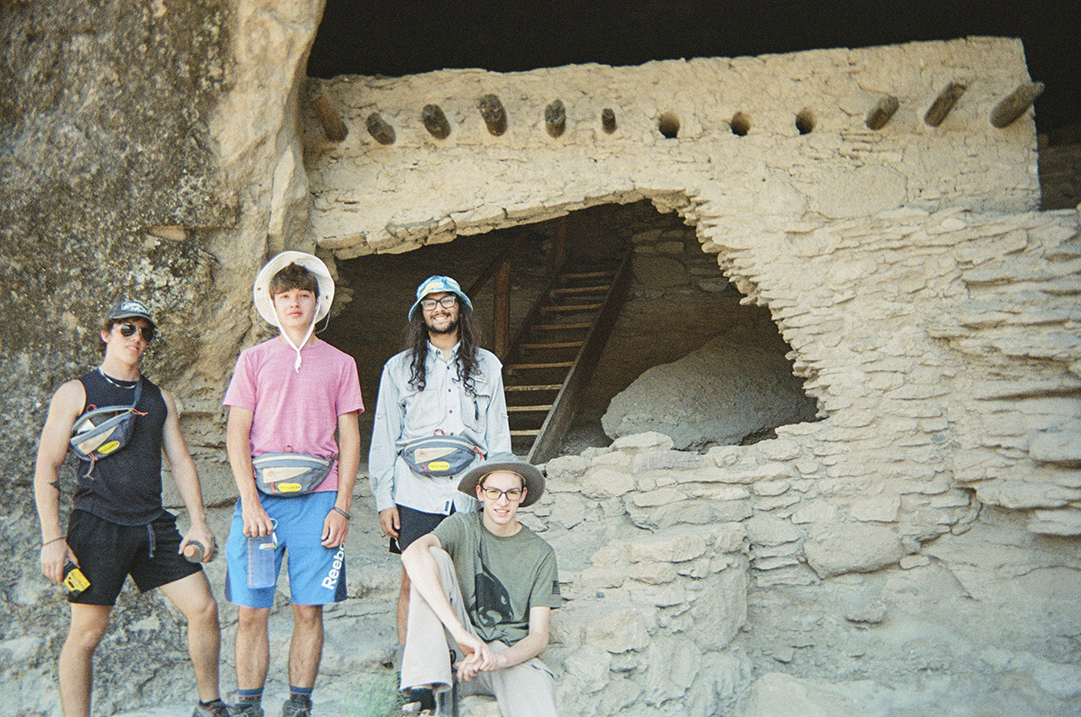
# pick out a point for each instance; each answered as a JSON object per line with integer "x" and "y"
{"x": 684, "y": 357}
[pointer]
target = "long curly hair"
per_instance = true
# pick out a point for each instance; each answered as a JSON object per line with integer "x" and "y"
{"x": 469, "y": 337}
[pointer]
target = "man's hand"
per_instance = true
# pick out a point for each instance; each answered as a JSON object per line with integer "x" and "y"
{"x": 201, "y": 533}
{"x": 256, "y": 520}
{"x": 478, "y": 656}
{"x": 335, "y": 529}
{"x": 53, "y": 557}
{"x": 390, "y": 522}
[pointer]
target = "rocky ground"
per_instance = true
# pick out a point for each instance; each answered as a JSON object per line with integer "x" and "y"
{"x": 939, "y": 635}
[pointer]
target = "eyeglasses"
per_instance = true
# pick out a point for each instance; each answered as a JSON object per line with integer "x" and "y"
{"x": 147, "y": 332}
{"x": 513, "y": 495}
{"x": 446, "y": 302}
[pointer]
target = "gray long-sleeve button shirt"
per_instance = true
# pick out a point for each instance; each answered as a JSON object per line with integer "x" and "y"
{"x": 403, "y": 414}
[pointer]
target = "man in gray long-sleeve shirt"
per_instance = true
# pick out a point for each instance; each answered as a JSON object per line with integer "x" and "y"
{"x": 443, "y": 383}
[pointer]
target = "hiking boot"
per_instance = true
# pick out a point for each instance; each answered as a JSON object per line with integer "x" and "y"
{"x": 215, "y": 709}
{"x": 294, "y": 708}
{"x": 246, "y": 709}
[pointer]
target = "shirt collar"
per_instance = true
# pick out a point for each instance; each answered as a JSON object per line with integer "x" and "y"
{"x": 434, "y": 350}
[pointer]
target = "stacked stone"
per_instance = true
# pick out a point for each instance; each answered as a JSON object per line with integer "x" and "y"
{"x": 650, "y": 615}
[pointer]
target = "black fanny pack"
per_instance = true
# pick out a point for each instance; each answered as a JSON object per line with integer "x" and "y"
{"x": 440, "y": 456}
{"x": 290, "y": 474}
{"x": 102, "y": 432}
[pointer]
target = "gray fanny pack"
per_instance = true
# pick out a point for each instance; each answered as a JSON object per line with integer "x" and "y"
{"x": 102, "y": 432}
{"x": 290, "y": 474}
{"x": 440, "y": 456}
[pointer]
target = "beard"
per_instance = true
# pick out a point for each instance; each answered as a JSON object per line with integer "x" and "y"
{"x": 450, "y": 328}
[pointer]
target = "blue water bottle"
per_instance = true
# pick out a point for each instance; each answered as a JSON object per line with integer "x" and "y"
{"x": 261, "y": 550}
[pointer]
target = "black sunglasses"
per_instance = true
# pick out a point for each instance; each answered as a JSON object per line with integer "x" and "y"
{"x": 147, "y": 332}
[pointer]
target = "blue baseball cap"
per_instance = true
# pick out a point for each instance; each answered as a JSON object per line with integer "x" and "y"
{"x": 439, "y": 284}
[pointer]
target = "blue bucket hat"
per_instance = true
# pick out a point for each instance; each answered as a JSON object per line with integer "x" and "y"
{"x": 437, "y": 284}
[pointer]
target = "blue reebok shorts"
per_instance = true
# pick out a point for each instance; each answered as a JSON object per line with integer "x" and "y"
{"x": 316, "y": 574}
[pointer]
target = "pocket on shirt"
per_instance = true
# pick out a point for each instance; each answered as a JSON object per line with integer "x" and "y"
{"x": 475, "y": 406}
{"x": 422, "y": 412}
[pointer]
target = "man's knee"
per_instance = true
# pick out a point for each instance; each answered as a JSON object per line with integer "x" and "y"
{"x": 308, "y": 616}
{"x": 253, "y": 619}
{"x": 204, "y": 613}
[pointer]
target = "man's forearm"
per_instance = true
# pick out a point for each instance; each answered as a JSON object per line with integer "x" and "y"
{"x": 47, "y": 501}
{"x": 525, "y": 649}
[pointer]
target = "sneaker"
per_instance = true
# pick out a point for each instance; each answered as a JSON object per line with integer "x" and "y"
{"x": 423, "y": 697}
{"x": 292, "y": 708}
{"x": 214, "y": 709}
{"x": 246, "y": 709}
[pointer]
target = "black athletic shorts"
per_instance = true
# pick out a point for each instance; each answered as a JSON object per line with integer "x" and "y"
{"x": 108, "y": 553}
{"x": 415, "y": 523}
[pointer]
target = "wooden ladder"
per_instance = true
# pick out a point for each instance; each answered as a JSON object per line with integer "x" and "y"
{"x": 550, "y": 362}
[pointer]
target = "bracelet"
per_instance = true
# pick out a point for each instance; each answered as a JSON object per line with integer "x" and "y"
{"x": 52, "y": 541}
{"x": 341, "y": 512}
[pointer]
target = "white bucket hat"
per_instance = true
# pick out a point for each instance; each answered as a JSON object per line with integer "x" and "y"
{"x": 264, "y": 302}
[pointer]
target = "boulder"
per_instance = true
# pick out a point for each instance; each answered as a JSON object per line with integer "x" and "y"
{"x": 718, "y": 395}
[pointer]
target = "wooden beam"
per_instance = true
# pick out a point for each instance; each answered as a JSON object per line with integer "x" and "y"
{"x": 501, "y": 309}
{"x": 379, "y": 129}
{"x": 881, "y": 113}
{"x": 1016, "y": 104}
{"x": 333, "y": 126}
{"x": 559, "y": 256}
{"x": 555, "y": 118}
{"x": 608, "y": 120}
{"x": 944, "y": 103}
{"x": 495, "y": 117}
{"x": 435, "y": 121}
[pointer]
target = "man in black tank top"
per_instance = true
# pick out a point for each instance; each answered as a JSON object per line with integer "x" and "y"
{"x": 118, "y": 526}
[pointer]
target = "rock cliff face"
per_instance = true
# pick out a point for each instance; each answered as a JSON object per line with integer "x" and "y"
{"x": 114, "y": 183}
{"x": 155, "y": 150}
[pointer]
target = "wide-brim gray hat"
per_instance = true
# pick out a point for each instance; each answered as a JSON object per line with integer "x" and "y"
{"x": 264, "y": 302}
{"x": 534, "y": 480}
{"x": 129, "y": 309}
{"x": 436, "y": 285}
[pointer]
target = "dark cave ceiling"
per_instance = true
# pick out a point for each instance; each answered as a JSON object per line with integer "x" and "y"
{"x": 412, "y": 36}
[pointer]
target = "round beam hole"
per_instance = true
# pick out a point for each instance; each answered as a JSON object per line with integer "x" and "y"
{"x": 668, "y": 125}
{"x": 805, "y": 120}
{"x": 740, "y": 124}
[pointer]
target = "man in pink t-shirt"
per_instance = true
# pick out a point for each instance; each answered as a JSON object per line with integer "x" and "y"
{"x": 289, "y": 395}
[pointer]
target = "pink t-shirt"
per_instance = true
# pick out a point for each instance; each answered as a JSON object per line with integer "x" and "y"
{"x": 295, "y": 411}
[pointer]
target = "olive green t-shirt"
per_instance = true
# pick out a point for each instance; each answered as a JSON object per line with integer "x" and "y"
{"x": 501, "y": 578}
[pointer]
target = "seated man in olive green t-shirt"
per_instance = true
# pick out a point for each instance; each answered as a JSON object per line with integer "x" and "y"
{"x": 491, "y": 583}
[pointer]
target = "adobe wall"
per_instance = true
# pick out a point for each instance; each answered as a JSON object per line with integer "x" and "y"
{"x": 370, "y": 197}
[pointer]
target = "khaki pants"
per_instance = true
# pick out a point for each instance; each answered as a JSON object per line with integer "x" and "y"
{"x": 525, "y": 690}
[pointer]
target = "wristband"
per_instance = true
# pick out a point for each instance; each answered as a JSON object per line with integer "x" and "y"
{"x": 52, "y": 541}
{"x": 341, "y": 512}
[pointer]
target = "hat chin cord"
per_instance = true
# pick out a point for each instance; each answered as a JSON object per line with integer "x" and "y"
{"x": 285, "y": 335}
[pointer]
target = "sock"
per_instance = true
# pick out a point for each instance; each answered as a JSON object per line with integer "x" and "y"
{"x": 250, "y": 696}
{"x": 302, "y": 695}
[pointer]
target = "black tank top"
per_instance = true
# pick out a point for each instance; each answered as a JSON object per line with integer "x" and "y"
{"x": 124, "y": 488}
